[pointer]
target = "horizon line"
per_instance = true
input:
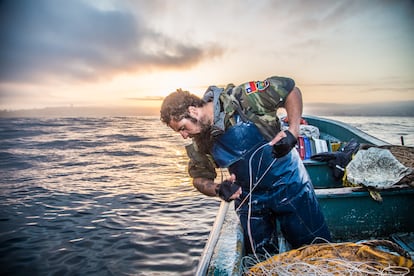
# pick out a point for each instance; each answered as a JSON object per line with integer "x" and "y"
{"x": 402, "y": 109}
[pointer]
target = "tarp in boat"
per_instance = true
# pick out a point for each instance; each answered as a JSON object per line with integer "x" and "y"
{"x": 375, "y": 168}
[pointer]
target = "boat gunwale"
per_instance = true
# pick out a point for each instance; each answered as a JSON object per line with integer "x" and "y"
{"x": 360, "y": 191}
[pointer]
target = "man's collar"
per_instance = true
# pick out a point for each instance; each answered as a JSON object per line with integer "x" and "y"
{"x": 212, "y": 94}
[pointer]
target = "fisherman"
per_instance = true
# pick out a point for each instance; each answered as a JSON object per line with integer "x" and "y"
{"x": 238, "y": 128}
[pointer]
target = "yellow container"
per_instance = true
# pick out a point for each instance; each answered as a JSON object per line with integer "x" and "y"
{"x": 335, "y": 146}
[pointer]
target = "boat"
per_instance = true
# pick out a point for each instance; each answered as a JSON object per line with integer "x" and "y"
{"x": 350, "y": 212}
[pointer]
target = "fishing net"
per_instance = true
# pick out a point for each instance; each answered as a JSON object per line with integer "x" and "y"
{"x": 363, "y": 258}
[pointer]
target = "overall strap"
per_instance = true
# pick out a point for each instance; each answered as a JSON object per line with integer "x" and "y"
{"x": 228, "y": 108}
{"x": 231, "y": 106}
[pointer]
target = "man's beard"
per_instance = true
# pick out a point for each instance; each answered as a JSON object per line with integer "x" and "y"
{"x": 207, "y": 136}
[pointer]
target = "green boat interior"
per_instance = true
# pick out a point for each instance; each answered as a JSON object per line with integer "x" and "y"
{"x": 352, "y": 213}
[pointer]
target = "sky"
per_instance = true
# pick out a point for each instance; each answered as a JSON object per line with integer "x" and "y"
{"x": 112, "y": 53}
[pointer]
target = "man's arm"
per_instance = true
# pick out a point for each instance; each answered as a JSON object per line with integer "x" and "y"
{"x": 226, "y": 190}
{"x": 205, "y": 186}
{"x": 294, "y": 107}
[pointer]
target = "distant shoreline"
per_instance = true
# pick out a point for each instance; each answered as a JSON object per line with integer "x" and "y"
{"x": 394, "y": 109}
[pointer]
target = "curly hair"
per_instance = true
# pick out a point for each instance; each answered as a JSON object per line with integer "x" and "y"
{"x": 175, "y": 106}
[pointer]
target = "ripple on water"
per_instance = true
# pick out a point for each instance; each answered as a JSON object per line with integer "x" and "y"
{"x": 98, "y": 196}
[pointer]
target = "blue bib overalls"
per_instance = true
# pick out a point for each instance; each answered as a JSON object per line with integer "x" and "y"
{"x": 282, "y": 190}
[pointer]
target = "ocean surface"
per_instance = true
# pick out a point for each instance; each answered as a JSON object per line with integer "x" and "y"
{"x": 110, "y": 195}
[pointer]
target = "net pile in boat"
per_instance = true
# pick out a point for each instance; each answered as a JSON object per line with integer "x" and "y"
{"x": 336, "y": 259}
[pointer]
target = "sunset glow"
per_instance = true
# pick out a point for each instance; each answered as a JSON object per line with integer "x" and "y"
{"x": 133, "y": 53}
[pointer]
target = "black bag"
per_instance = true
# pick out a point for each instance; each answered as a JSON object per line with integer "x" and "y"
{"x": 338, "y": 160}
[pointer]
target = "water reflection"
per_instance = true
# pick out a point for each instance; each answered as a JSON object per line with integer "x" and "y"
{"x": 98, "y": 196}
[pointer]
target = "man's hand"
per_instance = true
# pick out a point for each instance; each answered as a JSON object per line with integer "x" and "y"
{"x": 228, "y": 190}
{"x": 286, "y": 141}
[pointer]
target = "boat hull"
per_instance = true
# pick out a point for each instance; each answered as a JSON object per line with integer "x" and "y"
{"x": 350, "y": 212}
{"x": 352, "y": 215}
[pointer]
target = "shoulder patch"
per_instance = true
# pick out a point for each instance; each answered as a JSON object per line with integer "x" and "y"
{"x": 256, "y": 86}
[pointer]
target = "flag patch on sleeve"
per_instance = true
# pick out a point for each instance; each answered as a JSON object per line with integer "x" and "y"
{"x": 255, "y": 86}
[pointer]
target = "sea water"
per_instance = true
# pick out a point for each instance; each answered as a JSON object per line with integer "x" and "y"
{"x": 110, "y": 195}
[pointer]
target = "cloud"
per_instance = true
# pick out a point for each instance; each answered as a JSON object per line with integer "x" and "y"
{"x": 81, "y": 51}
{"x": 46, "y": 39}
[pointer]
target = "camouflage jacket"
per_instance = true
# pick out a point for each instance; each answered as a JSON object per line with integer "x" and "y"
{"x": 255, "y": 101}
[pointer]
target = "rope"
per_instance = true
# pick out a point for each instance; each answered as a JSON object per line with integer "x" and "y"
{"x": 250, "y": 175}
{"x": 251, "y": 188}
{"x": 390, "y": 245}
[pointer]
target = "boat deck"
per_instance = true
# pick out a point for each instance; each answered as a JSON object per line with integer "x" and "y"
{"x": 228, "y": 253}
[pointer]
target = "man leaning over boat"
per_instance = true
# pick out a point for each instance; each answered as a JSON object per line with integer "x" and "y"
{"x": 237, "y": 127}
